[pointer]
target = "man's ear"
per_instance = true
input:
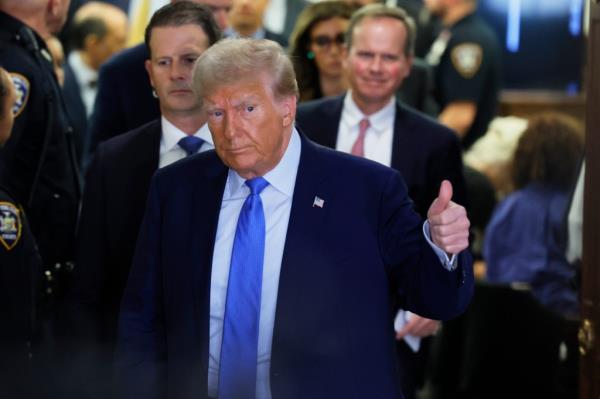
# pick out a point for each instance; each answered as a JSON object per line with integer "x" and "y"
{"x": 148, "y": 66}
{"x": 288, "y": 110}
{"x": 408, "y": 66}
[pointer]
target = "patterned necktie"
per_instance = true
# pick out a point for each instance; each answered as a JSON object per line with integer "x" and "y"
{"x": 190, "y": 144}
{"x": 358, "y": 148}
{"x": 239, "y": 349}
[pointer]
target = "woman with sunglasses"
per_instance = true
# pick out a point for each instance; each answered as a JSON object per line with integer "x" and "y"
{"x": 316, "y": 48}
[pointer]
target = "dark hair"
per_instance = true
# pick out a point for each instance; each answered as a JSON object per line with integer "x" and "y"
{"x": 84, "y": 28}
{"x": 183, "y": 13}
{"x": 306, "y": 69}
{"x": 548, "y": 152}
{"x": 383, "y": 11}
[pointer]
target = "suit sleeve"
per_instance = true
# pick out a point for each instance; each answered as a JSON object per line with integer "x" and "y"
{"x": 141, "y": 349}
{"x": 424, "y": 286}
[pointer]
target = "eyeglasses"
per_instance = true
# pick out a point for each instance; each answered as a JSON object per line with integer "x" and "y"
{"x": 326, "y": 41}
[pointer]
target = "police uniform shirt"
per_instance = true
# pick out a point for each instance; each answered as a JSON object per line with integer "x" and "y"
{"x": 20, "y": 267}
{"x": 468, "y": 69}
{"x": 37, "y": 163}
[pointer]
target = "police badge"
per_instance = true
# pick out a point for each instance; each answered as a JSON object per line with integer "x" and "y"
{"x": 10, "y": 225}
{"x": 466, "y": 59}
{"x": 22, "y": 88}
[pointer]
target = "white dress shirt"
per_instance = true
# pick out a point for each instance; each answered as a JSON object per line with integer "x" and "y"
{"x": 277, "y": 205}
{"x": 380, "y": 134}
{"x": 170, "y": 151}
{"x": 87, "y": 79}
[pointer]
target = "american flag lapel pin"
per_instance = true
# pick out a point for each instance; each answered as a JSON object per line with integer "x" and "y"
{"x": 319, "y": 202}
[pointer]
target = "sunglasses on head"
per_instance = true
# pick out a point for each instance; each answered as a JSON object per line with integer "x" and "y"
{"x": 326, "y": 41}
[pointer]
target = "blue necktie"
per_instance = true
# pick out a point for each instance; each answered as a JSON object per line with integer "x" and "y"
{"x": 237, "y": 369}
{"x": 190, "y": 144}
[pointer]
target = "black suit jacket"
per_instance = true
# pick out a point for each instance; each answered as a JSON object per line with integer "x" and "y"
{"x": 124, "y": 100}
{"x": 424, "y": 151}
{"x": 113, "y": 207}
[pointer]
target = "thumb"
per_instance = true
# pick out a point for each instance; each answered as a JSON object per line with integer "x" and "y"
{"x": 443, "y": 199}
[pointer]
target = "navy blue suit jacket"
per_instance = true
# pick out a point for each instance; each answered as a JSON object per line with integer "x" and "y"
{"x": 124, "y": 100}
{"x": 424, "y": 151}
{"x": 333, "y": 335}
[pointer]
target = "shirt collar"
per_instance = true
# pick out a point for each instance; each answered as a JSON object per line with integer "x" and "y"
{"x": 278, "y": 177}
{"x": 259, "y": 34}
{"x": 84, "y": 74}
{"x": 171, "y": 134}
{"x": 378, "y": 121}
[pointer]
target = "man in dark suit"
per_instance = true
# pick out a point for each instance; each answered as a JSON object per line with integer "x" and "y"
{"x": 119, "y": 177}
{"x": 294, "y": 302}
{"x": 369, "y": 122}
{"x": 97, "y": 32}
{"x": 125, "y": 99}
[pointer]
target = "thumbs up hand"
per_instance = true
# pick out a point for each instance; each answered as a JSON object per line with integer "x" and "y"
{"x": 448, "y": 222}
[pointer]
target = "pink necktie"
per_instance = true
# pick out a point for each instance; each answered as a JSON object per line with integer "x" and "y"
{"x": 358, "y": 148}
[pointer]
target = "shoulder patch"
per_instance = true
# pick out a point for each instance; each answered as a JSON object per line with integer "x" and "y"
{"x": 10, "y": 225}
{"x": 466, "y": 59}
{"x": 22, "y": 88}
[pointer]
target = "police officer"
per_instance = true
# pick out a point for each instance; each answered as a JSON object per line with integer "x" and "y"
{"x": 37, "y": 163}
{"x": 466, "y": 58}
{"x": 20, "y": 271}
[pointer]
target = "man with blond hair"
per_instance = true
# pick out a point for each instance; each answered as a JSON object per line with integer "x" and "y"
{"x": 263, "y": 269}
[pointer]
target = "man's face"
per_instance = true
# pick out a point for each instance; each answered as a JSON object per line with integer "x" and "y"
{"x": 173, "y": 53}
{"x": 101, "y": 49}
{"x": 376, "y": 63}
{"x": 220, "y": 10}
{"x": 250, "y": 128}
{"x": 247, "y": 14}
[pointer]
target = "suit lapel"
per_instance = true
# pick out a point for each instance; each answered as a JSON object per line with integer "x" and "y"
{"x": 207, "y": 194}
{"x": 306, "y": 227}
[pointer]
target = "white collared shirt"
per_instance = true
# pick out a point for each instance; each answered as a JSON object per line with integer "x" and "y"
{"x": 87, "y": 79}
{"x": 170, "y": 151}
{"x": 380, "y": 134}
{"x": 277, "y": 205}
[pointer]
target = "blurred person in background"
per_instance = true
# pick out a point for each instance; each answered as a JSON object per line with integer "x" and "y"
{"x": 317, "y": 48}
{"x": 524, "y": 241}
{"x": 98, "y": 31}
{"x": 246, "y": 20}
{"x": 466, "y": 58}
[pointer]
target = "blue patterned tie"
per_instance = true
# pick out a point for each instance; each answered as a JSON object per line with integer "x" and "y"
{"x": 237, "y": 370}
{"x": 190, "y": 144}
